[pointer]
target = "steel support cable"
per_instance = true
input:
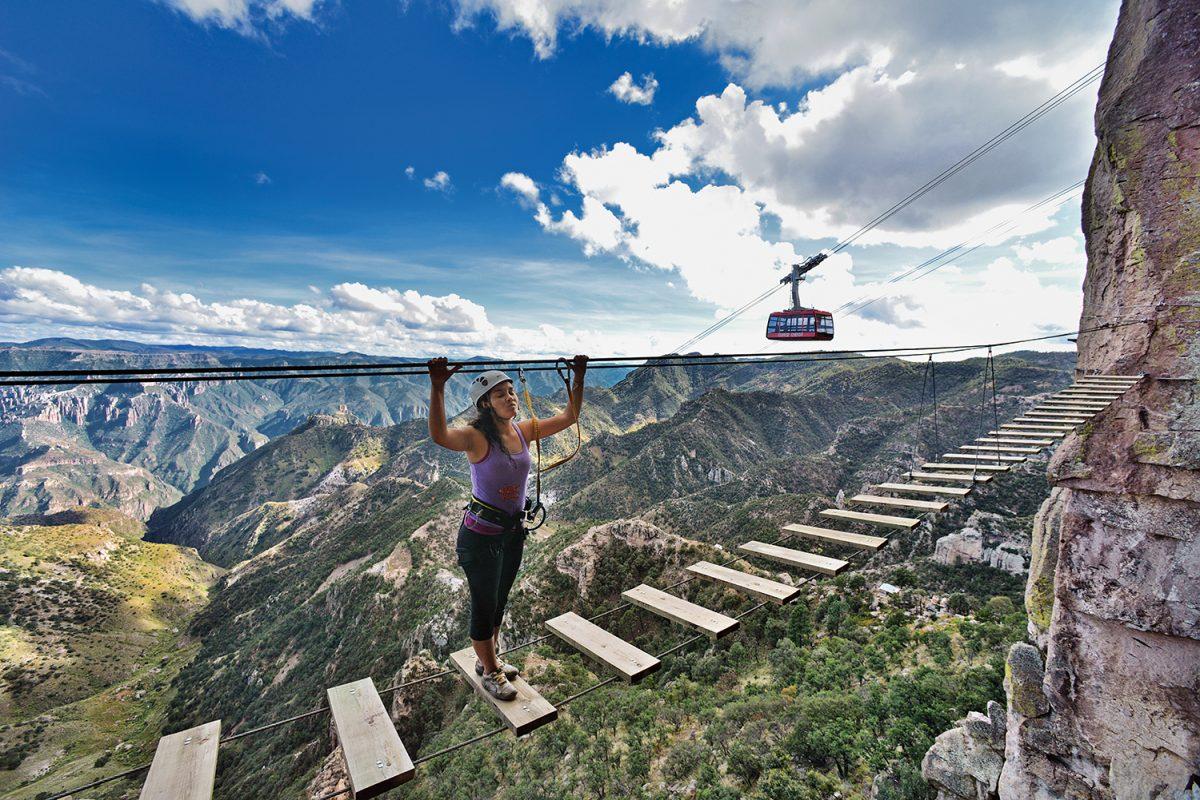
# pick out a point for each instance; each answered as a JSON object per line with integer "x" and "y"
{"x": 695, "y": 359}
{"x": 979, "y": 152}
{"x": 945, "y": 257}
{"x": 1046, "y": 107}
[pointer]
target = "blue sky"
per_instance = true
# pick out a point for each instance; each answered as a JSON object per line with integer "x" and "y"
{"x": 236, "y": 161}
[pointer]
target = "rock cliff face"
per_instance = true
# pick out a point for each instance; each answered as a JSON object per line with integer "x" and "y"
{"x": 1108, "y": 703}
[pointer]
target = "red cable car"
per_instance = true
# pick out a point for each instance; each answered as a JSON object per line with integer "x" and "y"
{"x": 800, "y": 323}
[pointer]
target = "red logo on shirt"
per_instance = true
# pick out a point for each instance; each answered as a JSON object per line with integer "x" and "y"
{"x": 511, "y": 492}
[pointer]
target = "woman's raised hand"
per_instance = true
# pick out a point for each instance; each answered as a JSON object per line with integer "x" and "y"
{"x": 439, "y": 373}
{"x": 579, "y": 367}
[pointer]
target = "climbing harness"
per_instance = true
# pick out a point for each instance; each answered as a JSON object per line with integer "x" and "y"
{"x": 535, "y": 510}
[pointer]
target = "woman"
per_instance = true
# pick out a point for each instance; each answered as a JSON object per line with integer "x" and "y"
{"x": 491, "y": 538}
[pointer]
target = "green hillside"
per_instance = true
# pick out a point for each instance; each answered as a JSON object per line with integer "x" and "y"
{"x": 92, "y": 636}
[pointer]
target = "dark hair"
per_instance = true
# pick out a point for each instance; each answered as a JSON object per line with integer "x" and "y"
{"x": 485, "y": 423}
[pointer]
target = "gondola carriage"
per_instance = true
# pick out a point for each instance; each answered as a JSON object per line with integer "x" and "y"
{"x": 799, "y": 323}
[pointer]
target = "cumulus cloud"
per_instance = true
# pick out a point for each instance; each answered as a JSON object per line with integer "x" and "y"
{"x": 784, "y": 42}
{"x": 410, "y": 172}
{"x": 440, "y": 182}
{"x": 244, "y": 16}
{"x": 625, "y": 90}
{"x": 261, "y": 178}
{"x": 520, "y": 184}
{"x": 369, "y": 319}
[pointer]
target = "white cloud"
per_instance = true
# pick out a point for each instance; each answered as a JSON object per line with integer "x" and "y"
{"x": 261, "y": 178}
{"x": 347, "y": 316}
{"x": 625, "y": 90}
{"x": 784, "y": 42}
{"x": 410, "y": 172}
{"x": 521, "y": 184}
{"x": 244, "y": 16}
{"x": 440, "y": 182}
{"x": 1062, "y": 250}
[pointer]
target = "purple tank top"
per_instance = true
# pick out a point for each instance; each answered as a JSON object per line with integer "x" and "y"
{"x": 499, "y": 480}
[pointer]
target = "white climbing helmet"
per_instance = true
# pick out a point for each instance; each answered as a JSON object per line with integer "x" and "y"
{"x": 484, "y": 382}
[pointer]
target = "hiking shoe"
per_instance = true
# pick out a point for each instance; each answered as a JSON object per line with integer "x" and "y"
{"x": 495, "y": 684}
{"x": 510, "y": 671}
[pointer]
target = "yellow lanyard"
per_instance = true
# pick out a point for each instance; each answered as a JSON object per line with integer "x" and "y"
{"x": 537, "y": 439}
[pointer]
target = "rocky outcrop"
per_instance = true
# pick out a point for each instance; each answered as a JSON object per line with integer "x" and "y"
{"x": 580, "y": 560}
{"x": 965, "y": 761}
{"x": 983, "y": 540}
{"x": 1107, "y": 704}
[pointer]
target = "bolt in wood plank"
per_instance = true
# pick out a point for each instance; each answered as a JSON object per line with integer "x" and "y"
{"x": 375, "y": 757}
{"x": 1027, "y": 433}
{"x": 762, "y": 588}
{"x": 679, "y": 610}
{"x": 527, "y": 711}
{"x": 980, "y": 467}
{"x": 837, "y": 537}
{"x": 999, "y": 448}
{"x": 916, "y": 488}
{"x": 185, "y": 765}
{"x": 984, "y": 457}
{"x": 628, "y": 661}
{"x": 1028, "y": 441}
{"x": 883, "y": 520}
{"x": 795, "y": 558}
{"x": 899, "y": 502}
{"x": 945, "y": 476}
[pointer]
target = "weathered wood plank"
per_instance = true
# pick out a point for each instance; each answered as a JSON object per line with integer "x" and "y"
{"x": 916, "y": 488}
{"x": 999, "y": 448}
{"x": 1055, "y": 416}
{"x": 984, "y": 457}
{"x": 1063, "y": 425}
{"x": 795, "y": 558}
{"x": 630, "y": 662}
{"x": 1071, "y": 405}
{"x": 884, "y": 520}
{"x": 375, "y": 757}
{"x": 185, "y": 765}
{"x": 979, "y": 467}
{"x": 527, "y": 711}
{"x": 682, "y": 611}
{"x": 1027, "y": 433}
{"x": 1022, "y": 440}
{"x": 762, "y": 588}
{"x": 837, "y": 537}
{"x": 945, "y": 476}
{"x": 899, "y": 502}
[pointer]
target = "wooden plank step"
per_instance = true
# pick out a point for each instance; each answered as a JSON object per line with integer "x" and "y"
{"x": 630, "y": 662}
{"x": 837, "y": 537}
{"x": 1062, "y": 425}
{"x": 899, "y": 502}
{"x": 1056, "y": 416}
{"x": 1087, "y": 397}
{"x": 795, "y": 558}
{"x": 1104, "y": 383}
{"x": 979, "y": 467}
{"x": 185, "y": 765}
{"x": 1028, "y": 441}
{"x": 524, "y": 713}
{"x": 375, "y": 757}
{"x": 762, "y": 588}
{"x": 1103, "y": 394}
{"x": 984, "y": 457}
{"x": 679, "y": 610}
{"x": 884, "y": 520}
{"x": 1028, "y": 433}
{"x": 945, "y": 476}
{"x": 917, "y": 488}
{"x": 1070, "y": 405}
{"x": 999, "y": 448}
